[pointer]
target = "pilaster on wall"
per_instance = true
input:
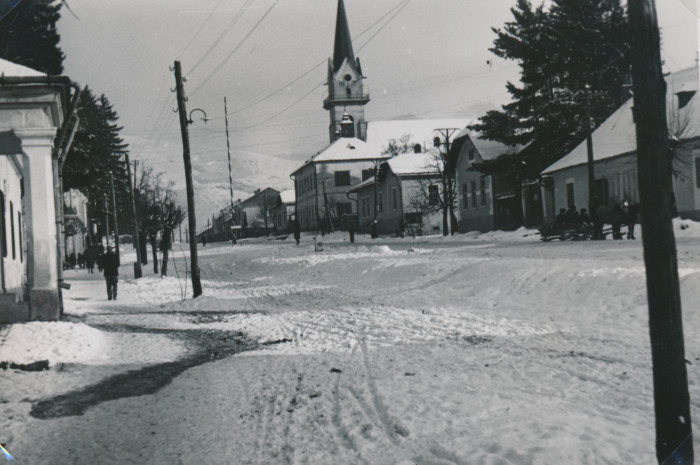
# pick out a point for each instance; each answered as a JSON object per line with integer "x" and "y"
{"x": 40, "y": 221}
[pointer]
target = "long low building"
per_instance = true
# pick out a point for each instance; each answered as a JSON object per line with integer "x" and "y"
{"x": 615, "y": 156}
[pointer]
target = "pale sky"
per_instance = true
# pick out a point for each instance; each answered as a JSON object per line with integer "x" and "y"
{"x": 424, "y": 59}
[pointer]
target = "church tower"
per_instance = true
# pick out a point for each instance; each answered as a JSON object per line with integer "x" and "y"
{"x": 347, "y": 92}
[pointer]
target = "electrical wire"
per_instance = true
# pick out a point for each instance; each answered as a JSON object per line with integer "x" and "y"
{"x": 235, "y": 49}
{"x": 221, "y": 36}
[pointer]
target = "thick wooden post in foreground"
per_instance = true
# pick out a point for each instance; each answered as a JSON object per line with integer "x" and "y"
{"x": 182, "y": 109}
{"x": 674, "y": 441}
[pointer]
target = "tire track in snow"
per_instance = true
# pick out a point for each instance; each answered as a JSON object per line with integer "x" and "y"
{"x": 391, "y": 426}
{"x": 337, "y": 421}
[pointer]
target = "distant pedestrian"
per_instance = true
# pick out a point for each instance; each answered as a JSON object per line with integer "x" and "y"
{"x": 373, "y": 230}
{"x": 110, "y": 264}
{"x": 89, "y": 259}
{"x": 297, "y": 231}
{"x": 351, "y": 231}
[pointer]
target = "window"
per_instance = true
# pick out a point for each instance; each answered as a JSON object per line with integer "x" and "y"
{"x": 471, "y": 154}
{"x": 348, "y": 92}
{"x": 343, "y": 208}
{"x": 570, "y": 197}
{"x": 433, "y": 194}
{"x": 3, "y": 229}
{"x": 393, "y": 198}
{"x": 12, "y": 231}
{"x": 465, "y": 197}
{"x": 483, "y": 191}
{"x": 342, "y": 178}
{"x": 601, "y": 191}
{"x": 368, "y": 173}
{"x": 629, "y": 186}
{"x": 474, "y": 194}
{"x": 19, "y": 228}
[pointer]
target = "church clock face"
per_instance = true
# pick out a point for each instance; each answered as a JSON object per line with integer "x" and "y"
{"x": 347, "y": 78}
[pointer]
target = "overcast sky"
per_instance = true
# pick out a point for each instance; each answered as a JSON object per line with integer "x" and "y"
{"x": 422, "y": 59}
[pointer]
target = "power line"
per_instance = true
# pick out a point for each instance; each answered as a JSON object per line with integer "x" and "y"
{"x": 221, "y": 36}
{"x": 196, "y": 34}
{"x": 307, "y": 72}
{"x": 405, "y": 3}
{"x": 240, "y": 44}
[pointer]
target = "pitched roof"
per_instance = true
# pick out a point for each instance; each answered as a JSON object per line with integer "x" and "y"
{"x": 413, "y": 164}
{"x": 379, "y": 135}
{"x": 342, "y": 49}
{"x": 488, "y": 149}
{"x": 617, "y": 135}
{"x": 288, "y": 196}
{"x": 9, "y": 69}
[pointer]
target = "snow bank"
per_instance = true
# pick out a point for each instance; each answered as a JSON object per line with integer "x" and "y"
{"x": 61, "y": 342}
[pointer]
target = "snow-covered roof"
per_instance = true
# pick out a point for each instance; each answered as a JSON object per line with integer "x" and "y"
{"x": 363, "y": 184}
{"x": 288, "y": 196}
{"x": 488, "y": 149}
{"x": 9, "y": 69}
{"x": 413, "y": 163}
{"x": 617, "y": 135}
{"x": 420, "y": 131}
{"x": 380, "y": 133}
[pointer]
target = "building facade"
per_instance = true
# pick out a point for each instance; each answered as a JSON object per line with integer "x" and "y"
{"x": 31, "y": 112}
{"x": 615, "y": 159}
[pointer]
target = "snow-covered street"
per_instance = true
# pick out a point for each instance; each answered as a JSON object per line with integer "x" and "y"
{"x": 496, "y": 349}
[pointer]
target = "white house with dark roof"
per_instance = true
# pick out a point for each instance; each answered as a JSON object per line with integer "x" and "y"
{"x": 485, "y": 202}
{"x": 405, "y": 187}
{"x": 615, "y": 160}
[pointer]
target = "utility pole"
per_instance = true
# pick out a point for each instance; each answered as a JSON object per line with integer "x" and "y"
{"x": 230, "y": 177}
{"x": 184, "y": 121}
{"x": 325, "y": 206}
{"x": 674, "y": 436}
{"x": 592, "y": 203}
{"x": 137, "y": 266}
{"x": 106, "y": 220}
{"x": 447, "y": 195}
{"x": 114, "y": 212}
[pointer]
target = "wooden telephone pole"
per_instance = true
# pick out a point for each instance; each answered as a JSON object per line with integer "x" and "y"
{"x": 184, "y": 121}
{"x": 674, "y": 436}
{"x": 230, "y": 176}
{"x": 114, "y": 213}
{"x": 137, "y": 266}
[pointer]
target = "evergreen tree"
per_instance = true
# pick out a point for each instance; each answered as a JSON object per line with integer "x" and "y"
{"x": 96, "y": 151}
{"x": 573, "y": 51}
{"x": 28, "y": 36}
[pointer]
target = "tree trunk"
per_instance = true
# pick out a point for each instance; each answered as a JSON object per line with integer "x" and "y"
{"x": 671, "y": 399}
{"x": 154, "y": 251}
{"x": 143, "y": 238}
{"x": 164, "y": 266}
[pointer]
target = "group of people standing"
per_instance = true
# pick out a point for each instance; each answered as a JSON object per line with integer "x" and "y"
{"x": 106, "y": 260}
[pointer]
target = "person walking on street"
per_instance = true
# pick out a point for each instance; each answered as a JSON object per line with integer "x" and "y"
{"x": 297, "y": 231}
{"x": 110, "y": 263}
{"x": 89, "y": 259}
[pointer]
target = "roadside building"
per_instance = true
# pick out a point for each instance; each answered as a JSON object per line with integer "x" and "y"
{"x": 407, "y": 188}
{"x": 615, "y": 160}
{"x": 32, "y": 107}
{"x": 484, "y": 202}
{"x": 283, "y": 211}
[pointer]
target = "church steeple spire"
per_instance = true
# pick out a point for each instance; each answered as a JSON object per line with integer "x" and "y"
{"x": 343, "y": 42}
{"x": 347, "y": 92}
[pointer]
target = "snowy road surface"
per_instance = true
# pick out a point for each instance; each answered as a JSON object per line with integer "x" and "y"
{"x": 497, "y": 350}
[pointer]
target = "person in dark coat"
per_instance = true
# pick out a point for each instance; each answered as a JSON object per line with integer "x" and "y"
{"x": 373, "y": 230}
{"x": 561, "y": 216}
{"x": 616, "y": 220}
{"x": 110, "y": 263}
{"x": 89, "y": 259}
{"x": 297, "y": 231}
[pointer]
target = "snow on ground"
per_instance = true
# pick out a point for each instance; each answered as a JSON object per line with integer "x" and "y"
{"x": 467, "y": 349}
